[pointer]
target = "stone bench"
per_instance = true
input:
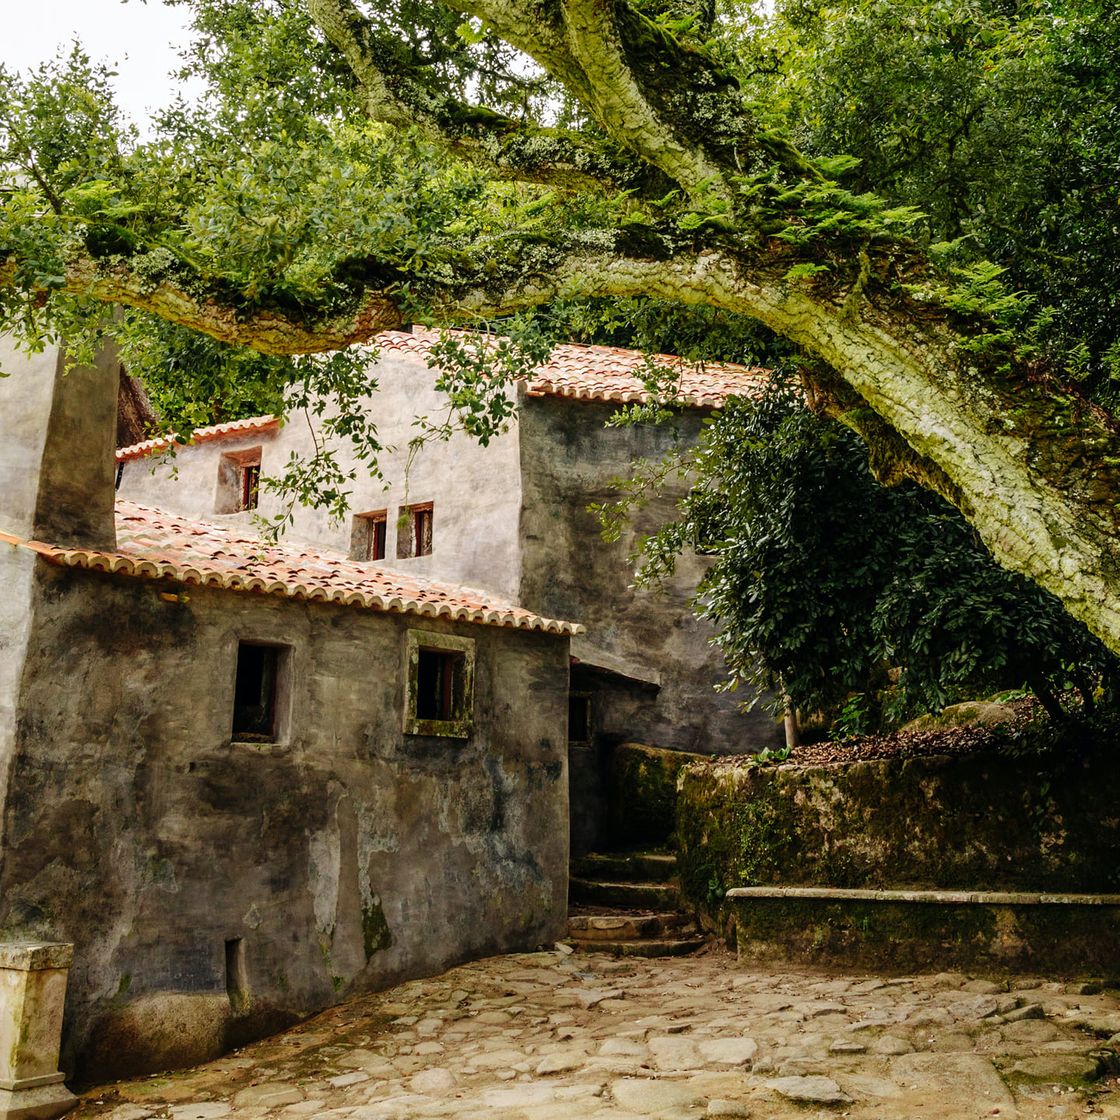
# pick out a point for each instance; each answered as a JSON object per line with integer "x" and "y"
{"x": 913, "y": 930}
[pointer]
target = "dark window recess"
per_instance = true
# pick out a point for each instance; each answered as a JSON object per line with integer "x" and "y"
{"x": 439, "y": 684}
{"x": 249, "y": 478}
{"x": 414, "y": 531}
{"x": 254, "y": 698}
{"x": 239, "y": 480}
{"x": 422, "y": 531}
{"x": 367, "y": 538}
{"x": 237, "y": 977}
{"x": 579, "y": 718}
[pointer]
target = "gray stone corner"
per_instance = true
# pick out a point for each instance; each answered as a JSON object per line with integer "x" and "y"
{"x": 31, "y": 956}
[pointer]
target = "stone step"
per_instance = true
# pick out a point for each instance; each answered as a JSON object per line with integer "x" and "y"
{"x": 625, "y": 867}
{"x": 626, "y": 896}
{"x": 646, "y": 947}
{"x": 626, "y": 927}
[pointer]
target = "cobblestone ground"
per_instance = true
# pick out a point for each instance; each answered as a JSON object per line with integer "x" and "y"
{"x": 549, "y": 1036}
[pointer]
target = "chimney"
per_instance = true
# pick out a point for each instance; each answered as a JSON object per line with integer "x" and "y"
{"x": 57, "y": 443}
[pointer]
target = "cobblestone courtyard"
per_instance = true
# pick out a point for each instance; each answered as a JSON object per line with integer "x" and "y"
{"x": 549, "y": 1036}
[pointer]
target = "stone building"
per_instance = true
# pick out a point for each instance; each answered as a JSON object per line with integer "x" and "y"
{"x": 246, "y": 781}
{"x": 512, "y": 518}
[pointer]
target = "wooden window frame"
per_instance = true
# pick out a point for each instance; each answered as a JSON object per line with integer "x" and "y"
{"x": 411, "y": 536}
{"x": 364, "y": 533}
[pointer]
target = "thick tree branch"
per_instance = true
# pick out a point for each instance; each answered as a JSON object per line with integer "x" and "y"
{"x": 511, "y": 149}
{"x": 618, "y": 100}
{"x": 1035, "y": 471}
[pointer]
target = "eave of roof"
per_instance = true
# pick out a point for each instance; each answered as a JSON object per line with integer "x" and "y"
{"x": 159, "y": 546}
{"x": 230, "y": 430}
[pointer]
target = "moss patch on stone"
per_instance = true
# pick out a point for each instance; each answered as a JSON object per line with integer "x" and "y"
{"x": 376, "y": 934}
{"x": 977, "y": 822}
{"x": 643, "y": 792}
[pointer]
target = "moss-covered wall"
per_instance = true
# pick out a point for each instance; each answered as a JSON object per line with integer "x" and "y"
{"x": 642, "y": 793}
{"x": 915, "y": 936}
{"x": 983, "y": 822}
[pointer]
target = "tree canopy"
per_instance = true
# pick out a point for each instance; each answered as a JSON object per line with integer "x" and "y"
{"x": 827, "y": 588}
{"x": 918, "y": 197}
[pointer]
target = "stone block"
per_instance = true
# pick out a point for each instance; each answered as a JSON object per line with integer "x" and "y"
{"x": 32, "y": 995}
{"x": 916, "y": 930}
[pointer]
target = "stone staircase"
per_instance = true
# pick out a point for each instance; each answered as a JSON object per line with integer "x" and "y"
{"x": 628, "y": 904}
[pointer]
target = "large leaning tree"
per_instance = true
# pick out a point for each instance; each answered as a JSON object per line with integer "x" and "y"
{"x": 358, "y": 165}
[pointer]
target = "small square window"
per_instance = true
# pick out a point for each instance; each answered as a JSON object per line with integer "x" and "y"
{"x": 440, "y": 696}
{"x": 415, "y": 535}
{"x": 367, "y": 536}
{"x": 239, "y": 478}
{"x": 257, "y": 692}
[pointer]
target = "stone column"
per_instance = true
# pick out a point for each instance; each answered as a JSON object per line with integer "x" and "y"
{"x": 32, "y": 994}
{"x": 57, "y": 437}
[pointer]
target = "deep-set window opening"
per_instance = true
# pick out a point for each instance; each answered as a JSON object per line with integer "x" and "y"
{"x": 439, "y": 684}
{"x": 579, "y": 717}
{"x": 239, "y": 481}
{"x": 368, "y": 535}
{"x": 415, "y": 533}
{"x": 439, "y": 697}
{"x": 256, "y": 692}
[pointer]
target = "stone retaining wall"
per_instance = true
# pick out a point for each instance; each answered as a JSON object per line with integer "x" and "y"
{"x": 906, "y": 931}
{"x": 985, "y": 822}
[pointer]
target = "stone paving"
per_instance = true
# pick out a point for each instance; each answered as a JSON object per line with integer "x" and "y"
{"x": 556, "y": 1036}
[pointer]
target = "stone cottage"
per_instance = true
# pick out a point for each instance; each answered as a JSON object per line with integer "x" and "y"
{"x": 512, "y": 518}
{"x": 246, "y": 781}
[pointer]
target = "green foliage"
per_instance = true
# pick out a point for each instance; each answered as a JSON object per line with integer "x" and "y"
{"x": 997, "y": 121}
{"x": 823, "y": 580}
{"x": 476, "y": 373}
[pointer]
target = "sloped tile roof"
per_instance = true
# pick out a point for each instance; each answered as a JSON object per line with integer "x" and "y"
{"x": 611, "y": 373}
{"x": 153, "y": 544}
{"x": 593, "y": 373}
{"x": 200, "y": 435}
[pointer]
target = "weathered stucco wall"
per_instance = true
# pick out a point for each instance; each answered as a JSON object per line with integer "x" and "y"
{"x": 983, "y": 822}
{"x": 186, "y": 481}
{"x": 569, "y": 459}
{"x": 475, "y": 491}
{"x": 347, "y": 857}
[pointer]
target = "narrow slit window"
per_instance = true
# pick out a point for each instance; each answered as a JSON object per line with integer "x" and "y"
{"x": 237, "y": 976}
{"x": 368, "y": 536}
{"x": 256, "y": 692}
{"x": 579, "y": 717}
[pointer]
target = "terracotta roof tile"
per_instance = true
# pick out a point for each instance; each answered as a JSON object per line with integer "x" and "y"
{"x": 153, "y": 544}
{"x": 598, "y": 373}
{"x": 611, "y": 373}
{"x": 200, "y": 435}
